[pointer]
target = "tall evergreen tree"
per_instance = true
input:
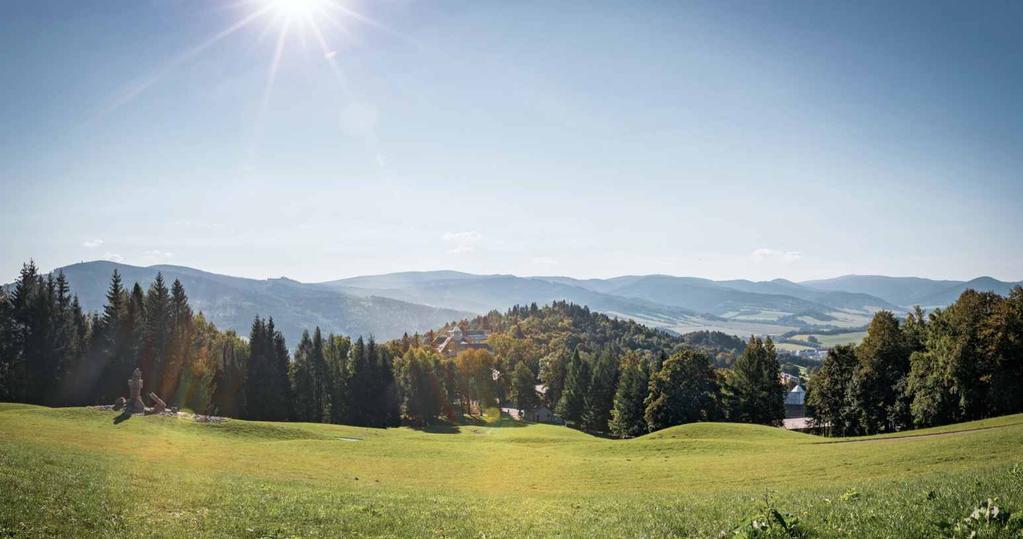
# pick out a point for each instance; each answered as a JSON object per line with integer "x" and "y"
{"x": 629, "y": 403}
{"x": 359, "y": 387}
{"x": 335, "y": 353}
{"x": 524, "y": 387}
{"x": 305, "y": 405}
{"x": 157, "y": 332}
{"x": 572, "y": 405}
{"x": 600, "y": 396}
{"x": 755, "y": 384}
{"x": 828, "y": 398}
{"x": 7, "y": 347}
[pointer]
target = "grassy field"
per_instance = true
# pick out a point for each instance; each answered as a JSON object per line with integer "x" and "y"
{"x": 72, "y": 472}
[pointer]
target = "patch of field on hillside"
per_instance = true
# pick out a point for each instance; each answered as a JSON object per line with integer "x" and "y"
{"x": 791, "y": 347}
{"x": 827, "y": 341}
{"x": 72, "y": 472}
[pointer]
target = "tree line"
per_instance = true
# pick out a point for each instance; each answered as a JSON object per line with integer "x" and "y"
{"x": 597, "y": 373}
{"x": 960, "y": 363}
{"x": 53, "y": 353}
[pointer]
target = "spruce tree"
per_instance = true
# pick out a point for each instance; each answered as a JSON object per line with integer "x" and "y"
{"x": 157, "y": 333}
{"x": 627, "y": 415}
{"x": 7, "y": 346}
{"x": 600, "y": 395}
{"x": 524, "y": 387}
{"x": 572, "y": 405}
{"x": 755, "y": 384}
{"x": 304, "y": 403}
{"x": 113, "y": 345}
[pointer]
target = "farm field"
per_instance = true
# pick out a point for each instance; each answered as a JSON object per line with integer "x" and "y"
{"x": 791, "y": 347}
{"x": 72, "y": 472}
{"x": 827, "y": 341}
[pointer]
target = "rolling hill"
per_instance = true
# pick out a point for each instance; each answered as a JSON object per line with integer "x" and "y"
{"x": 71, "y": 472}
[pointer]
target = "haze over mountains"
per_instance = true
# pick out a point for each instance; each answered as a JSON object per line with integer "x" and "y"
{"x": 388, "y": 305}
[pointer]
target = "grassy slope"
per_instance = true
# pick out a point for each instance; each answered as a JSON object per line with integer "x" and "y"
{"x": 71, "y": 471}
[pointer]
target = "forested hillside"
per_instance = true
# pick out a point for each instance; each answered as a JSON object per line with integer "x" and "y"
{"x": 598, "y": 373}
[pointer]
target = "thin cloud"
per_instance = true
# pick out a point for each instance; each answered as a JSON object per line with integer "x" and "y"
{"x": 764, "y": 254}
{"x": 157, "y": 254}
{"x": 113, "y": 257}
{"x": 544, "y": 261}
{"x": 93, "y": 243}
{"x": 462, "y": 242}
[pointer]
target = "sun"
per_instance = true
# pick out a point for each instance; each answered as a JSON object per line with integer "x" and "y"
{"x": 296, "y": 8}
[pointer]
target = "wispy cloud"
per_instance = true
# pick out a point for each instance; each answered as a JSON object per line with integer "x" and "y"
{"x": 113, "y": 257}
{"x": 156, "y": 254}
{"x": 764, "y": 254}
{"x": 462, "y": 242}
{"x": 93, "y": 243}
{"x": 544, "y": 261}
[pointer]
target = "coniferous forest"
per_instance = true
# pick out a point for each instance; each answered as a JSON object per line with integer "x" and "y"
{"x": 597, "y": 373}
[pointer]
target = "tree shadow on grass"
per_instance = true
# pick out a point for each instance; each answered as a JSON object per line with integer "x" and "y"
{"x": 507, "y": 422}
{"x": 440, "y": 428}
{"x": 125, "y": 415}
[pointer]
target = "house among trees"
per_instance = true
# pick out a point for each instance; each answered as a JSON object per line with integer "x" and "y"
{"x": 457, "y": 340}
{"x": 538, "y": 414}
{"x": 795, "y": 402}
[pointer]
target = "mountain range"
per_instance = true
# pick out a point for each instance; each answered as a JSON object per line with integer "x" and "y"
{"x": 390, "y": 304}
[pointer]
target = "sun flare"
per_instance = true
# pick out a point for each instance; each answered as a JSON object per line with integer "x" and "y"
{"x": 296, "y": 8}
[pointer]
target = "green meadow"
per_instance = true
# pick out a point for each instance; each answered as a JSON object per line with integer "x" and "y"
{"x": 72, "y": 472}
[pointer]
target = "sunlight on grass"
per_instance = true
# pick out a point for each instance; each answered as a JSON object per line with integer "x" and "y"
{"x": 174, "y": 477}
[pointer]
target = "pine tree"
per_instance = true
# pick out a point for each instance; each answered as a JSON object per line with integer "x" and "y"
{"x": 303, "y": 382}
{"x": 7, "y": 347}
{"x": 280, "y": 396}
{"x": 113, "y": 345}
{"x": 179, "y": 345}
{"x": 755, "y": 384}
{"x": 335, "y": 353}
{"x": 600, "y": 396}
{"x": 524, "y": 387}
{"x": 552, "y": 374}
{"x": 358, "y": 386}
{"x": 572, "y": 405}
{"x": 629, "y": 402}
{"x": 157, "y": 332}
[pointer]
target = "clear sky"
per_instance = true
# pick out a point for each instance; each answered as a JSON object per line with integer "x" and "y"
{"x": 715, "y": 139}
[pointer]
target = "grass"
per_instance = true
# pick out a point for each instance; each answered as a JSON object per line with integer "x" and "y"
{"x": 71, "y": 472}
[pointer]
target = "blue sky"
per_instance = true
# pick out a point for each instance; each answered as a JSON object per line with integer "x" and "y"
{"x": 715, "y": 139}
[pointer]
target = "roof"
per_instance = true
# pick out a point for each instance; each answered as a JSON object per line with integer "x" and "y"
{"x": 797, "y": 423}
{"x": 796, "y": 396}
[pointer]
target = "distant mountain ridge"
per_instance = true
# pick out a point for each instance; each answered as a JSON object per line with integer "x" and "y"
{"x": 233, "y": 302}
{"x": 388, "y": 305}
{"x": 910, "y": 291}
